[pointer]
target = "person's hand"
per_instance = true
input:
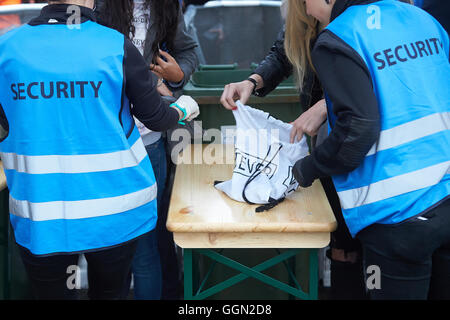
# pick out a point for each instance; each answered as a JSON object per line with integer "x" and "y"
{"x": 189, "y": 105}
{"x": 309, "y": 122}
{"x": 163, "y": 90}
{"x": 236, "y": 91}
{"x": 239, "y": 91}
{"x": 168, "y": 70}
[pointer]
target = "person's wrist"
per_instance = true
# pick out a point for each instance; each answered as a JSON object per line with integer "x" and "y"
{"x": 181, "y": 111}
{"x": 179, "y": 77}
{"x": 249, "y": 85}
{"x": 253, "y": 83}
{"x": 324, "y": 109}
{"x": 321, "y": 107}
{"x": 258, "y": 79}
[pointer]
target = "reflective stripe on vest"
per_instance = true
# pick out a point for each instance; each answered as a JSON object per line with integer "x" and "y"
{"x": 75, "y": 163}
{"x": 410, "y": 131}
{"x": 395, "y": 186}
{"x": 83, "y": 209}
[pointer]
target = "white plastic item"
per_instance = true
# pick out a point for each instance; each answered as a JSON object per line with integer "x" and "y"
{"x": 264, "y": 159}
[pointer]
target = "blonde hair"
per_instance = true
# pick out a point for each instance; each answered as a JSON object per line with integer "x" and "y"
{"x": 301, "y": 29}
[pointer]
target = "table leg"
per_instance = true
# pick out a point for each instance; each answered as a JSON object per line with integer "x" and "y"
{"x": 188, "y": 274}
{"x": 313, "y": 274}
{"x": 292, "y": 279}
{"x": 247, "y": 272}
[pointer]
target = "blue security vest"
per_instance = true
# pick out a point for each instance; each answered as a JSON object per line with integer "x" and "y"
{"x": 407, "y": 171}
{"x": 78, "y": 173}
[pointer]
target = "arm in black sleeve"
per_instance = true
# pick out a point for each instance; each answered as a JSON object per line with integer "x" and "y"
{"x": 345, "y": 78}
{"x": 275, "y": 67}
{"x": 140, "y": 88}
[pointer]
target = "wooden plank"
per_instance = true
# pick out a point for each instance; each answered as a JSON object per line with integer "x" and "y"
{"x": 252, "y": 240}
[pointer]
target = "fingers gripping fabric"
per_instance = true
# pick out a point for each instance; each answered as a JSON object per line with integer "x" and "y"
{"x": 264, "y": 158}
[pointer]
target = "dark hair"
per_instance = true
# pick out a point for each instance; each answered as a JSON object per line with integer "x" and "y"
{"x": 118, "y": 14}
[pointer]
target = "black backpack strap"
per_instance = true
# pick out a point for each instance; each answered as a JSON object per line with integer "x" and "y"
{"x": 258, "y": 172}
{"x": 272, "y": 204}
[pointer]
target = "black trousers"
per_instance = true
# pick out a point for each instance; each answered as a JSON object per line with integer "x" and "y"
{"x": 347, "y": 278}
{"x": 53, "y": 277}
{"x": 413, "y": 256}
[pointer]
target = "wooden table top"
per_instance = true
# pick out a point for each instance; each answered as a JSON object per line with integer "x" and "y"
{"x": 196, "y": 206}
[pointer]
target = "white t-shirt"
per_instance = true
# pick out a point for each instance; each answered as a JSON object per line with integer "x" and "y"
{"x": 141, "y": 20}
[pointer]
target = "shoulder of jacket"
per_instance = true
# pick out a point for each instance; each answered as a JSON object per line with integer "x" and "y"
{"x": 5, "y": 38}
{"x": 328, "y": 38}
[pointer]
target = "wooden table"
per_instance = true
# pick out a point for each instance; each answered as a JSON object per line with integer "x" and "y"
{"x": 203, "y": 218}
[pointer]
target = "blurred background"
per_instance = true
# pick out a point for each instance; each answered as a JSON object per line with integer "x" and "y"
{"x": 228, "y": 32}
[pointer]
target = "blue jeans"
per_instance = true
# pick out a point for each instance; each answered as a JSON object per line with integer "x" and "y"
{"x": 146, "y": 266}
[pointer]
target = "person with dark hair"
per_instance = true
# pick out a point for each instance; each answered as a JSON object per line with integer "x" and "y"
{"x": 158, "y": 30}
{"x": 79, "y": 177}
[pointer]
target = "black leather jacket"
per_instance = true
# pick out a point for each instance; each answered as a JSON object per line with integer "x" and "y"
{"x": 276, "y": 67}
